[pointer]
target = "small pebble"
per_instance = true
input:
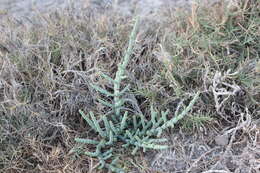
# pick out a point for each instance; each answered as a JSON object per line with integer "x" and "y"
{"x": 222, "y": 140}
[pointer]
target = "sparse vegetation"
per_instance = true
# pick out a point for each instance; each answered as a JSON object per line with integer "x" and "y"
{"x": 69, "y": 62}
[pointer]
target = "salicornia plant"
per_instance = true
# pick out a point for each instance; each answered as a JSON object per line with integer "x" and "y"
{"x": 134, "y": 131}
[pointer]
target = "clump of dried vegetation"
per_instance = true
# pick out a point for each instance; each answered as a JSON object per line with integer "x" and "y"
{"x": 49, "y": 69}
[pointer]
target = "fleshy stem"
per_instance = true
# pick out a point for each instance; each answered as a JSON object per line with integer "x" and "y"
{"x": 121, "y": 69}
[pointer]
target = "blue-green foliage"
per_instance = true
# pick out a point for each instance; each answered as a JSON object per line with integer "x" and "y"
{"x": 135, "y": 131}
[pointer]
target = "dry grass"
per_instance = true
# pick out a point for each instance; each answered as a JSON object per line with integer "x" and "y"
{"x": 44, "y": 81}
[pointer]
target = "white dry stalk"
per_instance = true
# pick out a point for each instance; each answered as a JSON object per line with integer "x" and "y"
{"x": 221, "y": 88}
{"x": 244, "y": 123}
{"x": 195, "y": 163}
